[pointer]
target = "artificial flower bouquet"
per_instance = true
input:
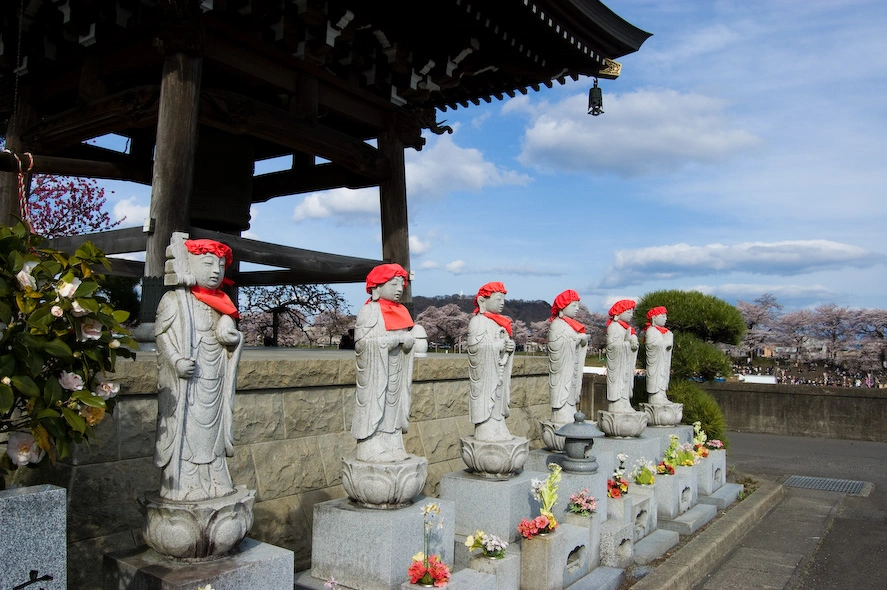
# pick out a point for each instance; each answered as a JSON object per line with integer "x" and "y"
{"x": 617, "y": 486}
{"x": 428, "y": 569}
{"x": 644, "y": 472}
{"x": 582, "y": 503}
{"x": 699, "y": 440}
{"x": 665, "y": 468}
{"x": 544, "y": 492}
{"x": 491, "y": 545}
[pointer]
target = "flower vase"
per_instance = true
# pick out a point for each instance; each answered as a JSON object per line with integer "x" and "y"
{"x": 506, "y": 569}
{"x": 541, "y": 562}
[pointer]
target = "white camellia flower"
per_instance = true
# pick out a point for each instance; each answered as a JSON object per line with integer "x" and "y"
{"x": 24, "y": 276}
{"x": 90, "y": 329}
{"x": 114, "y": 343}
{"x": 71, "y": 381}
{"x": 66, "y": 289}
{"x": 57, "y": 311}
{"x": 23, "y": 449}
{"x": 106, "y": 389}
{"x": 77, "y": 310}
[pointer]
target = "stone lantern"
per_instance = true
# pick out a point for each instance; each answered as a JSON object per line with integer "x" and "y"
{"x": 579, "y": 437}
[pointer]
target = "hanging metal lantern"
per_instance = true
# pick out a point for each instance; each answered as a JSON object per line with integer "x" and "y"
{"x": 595, "y": 100}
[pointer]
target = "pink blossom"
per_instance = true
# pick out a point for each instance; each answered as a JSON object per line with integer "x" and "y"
{"x": 24, "y": 277}
{"x": 57, "y": 311}
{"x": 91, "y": 329}
{"x": 23, "y": 449}
{"x": 71, "y": 381}
{"x": 77, "y": 310}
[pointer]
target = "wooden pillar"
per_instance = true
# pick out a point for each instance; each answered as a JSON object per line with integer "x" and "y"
{"x": 393, "y": 197}
{"x": 173, "y": 159}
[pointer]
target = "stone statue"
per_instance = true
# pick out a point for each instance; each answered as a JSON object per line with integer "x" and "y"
{"x": 658, "y": 344}
{"x": 380, "y": 474}
{"x": 491, "y": 451}
{"x": 384, "y": 347}
{"x": 622, "y": 354}
{"x": 490, "y": 358}
{"x": 198, "y": 348}
{"x": 567, "y": 347}
{"x": 199, "y": 513}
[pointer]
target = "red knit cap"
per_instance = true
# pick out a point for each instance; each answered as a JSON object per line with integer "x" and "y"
{"x": 655, "y": 312}
{"x": 384, "y": 273}
{"x": 562, "y": 301}
{"x": 621, "y": 306}
{"x": 210, "y": 247}
{"x": 489, "y": 289}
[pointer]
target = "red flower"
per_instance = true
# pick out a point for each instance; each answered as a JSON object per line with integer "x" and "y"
{"x": 416, "y": 571}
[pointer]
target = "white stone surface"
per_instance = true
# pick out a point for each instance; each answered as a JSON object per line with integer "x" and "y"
{"x": 33, "y": 536}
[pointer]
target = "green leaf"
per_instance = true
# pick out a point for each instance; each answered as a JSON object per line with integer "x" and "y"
{"x": 74, "y": 420}
{"x": 53, "y": 392}
{"x": 89, "y": 304}
{"x": 26, "y": 385}
{"x": 5, "y": 312}
{"x": 46, "y": 413}
{"x": 120, "y": 316}
{"x": 7, "y": 365}
{"x": 87, "y": 398}
{"x": 86, "y": 289}
{"x": 7, "y": 399}
{"x": 58, "y": 348}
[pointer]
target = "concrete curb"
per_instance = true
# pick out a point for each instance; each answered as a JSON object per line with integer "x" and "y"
{"x": 701, "y": 555}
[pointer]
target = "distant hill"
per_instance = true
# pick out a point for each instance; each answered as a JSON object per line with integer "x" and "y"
{"x": 518, "y": 309}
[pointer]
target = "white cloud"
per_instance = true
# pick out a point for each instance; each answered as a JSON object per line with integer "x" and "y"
{"x": 632, "y": 267}
{"x": 417, "y": 246}
{"x": 455, "y": 266}
{"x": 522, "y": 269}
{"x": 649, "y": 131}
{"x": 341, "y": 203}
{"x": 749, "y": 291}
{"x": 429, "y": 265}
{"x": 443, "y": 167}
{"x": 134, "y": 213}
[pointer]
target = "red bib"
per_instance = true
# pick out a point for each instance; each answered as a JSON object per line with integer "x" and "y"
{"x": 502, "y": 320}
{"x": 216, "y": 299}
{"x": 579, "y": 328}
{"x": 395, "y": 315}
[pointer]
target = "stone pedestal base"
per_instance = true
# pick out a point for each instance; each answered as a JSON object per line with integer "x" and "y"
{"x": 250, "y": 565}
{"x": 623, "y": 424}
{"x": 648, "y": 446}
{"x": 384, "y": 485}
{"x": 200, "y": 529}
{"x": 645, "y": 511}
{"x": 495, "y": 507}
{"x": 32, "y": 536}
{"x": 711, "y": 472}
{"x": 553, "y": 442}
{"x": 663, "y": 414}
{"x": 617, "y": 544}
{"x": 495, "y": 459}
{"x": 506, "y": 569}
{"x": 542, "y": 562}
{"x": 676, "y": 494}
{"x": 372, "y": 549}
{"x": 684, "y": 433}
{"x": 593, "y": 525}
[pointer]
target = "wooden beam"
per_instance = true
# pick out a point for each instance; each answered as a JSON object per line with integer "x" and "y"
{"x": 117, "y": 112}
{"x": 78, "y": 167}
{"x": 319, "y": 266}
{"x": 393, "y": 203}
{"x": 303, "y": 277}
{"x": 304, "y": 180}
{"x": 115, "y": 241}
{"x": 244, "y": 116}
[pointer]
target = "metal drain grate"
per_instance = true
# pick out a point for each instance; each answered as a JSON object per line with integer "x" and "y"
{"x": 846, "y": 486}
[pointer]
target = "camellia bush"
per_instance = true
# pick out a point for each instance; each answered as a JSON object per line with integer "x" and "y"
{"x": 59, "y": 339}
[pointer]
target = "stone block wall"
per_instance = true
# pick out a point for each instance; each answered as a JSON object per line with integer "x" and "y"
{"x": 292, "y": 424}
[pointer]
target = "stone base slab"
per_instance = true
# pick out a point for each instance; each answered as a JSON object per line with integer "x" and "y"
{"x": 723, "y": 496}
{"x": 682, "y": 431}
{"x": 493, "y": 506}
{"x": 252, "y": 564}
{"x": 577, "y": 553}
{"x": 690, "y": 521}
{"x": 464, "y": 579}
{"x": 33, "y": 529}
{"x": 675, "y": 494}
{"x": 617, "y": 544}
{"x": 647, "y": 446}
{"x": 506, "y": 569}
{"x": 712, "y": 472}
{"x": 654, "y": 545}
{"x": 601, "y": 578}
{"x": 543, "y": 560}
{"x": 372, "y": 549}
{"x": 649, "y": 522}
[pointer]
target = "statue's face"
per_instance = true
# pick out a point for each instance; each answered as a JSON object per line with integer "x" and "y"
{"x": 659, "y": 320}
{"x": 625, "y": 315}
{"x": 208, "y": 269}
{"x": 571, "y": 309}
{"x": 495, "y": 303}
{"x": 392, "y": 290}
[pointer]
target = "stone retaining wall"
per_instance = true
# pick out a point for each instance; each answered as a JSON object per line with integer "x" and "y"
{"x": 291, "y": 425}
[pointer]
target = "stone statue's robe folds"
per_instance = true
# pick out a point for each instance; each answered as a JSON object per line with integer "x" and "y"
{"x": 566, "y": 361}
{"x": 621, "y": 360}
{"x": 489, "y": 370}
{"x": 194, "y": 417}
{"x": 384, "y": 377}
{"x": 658, "y": 346}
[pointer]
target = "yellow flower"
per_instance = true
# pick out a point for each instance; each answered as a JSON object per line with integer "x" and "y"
{"x": 419, "y": 556}
{"x": 469, "y": 541}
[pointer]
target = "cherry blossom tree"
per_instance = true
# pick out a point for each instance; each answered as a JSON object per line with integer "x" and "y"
{"x": 870, "y": 325}
{"x": 759, "y": 318}
{"x": 332, "y": 323}
{"x": 447, "y": 324}
{"x": 520, "y": 333}
{"x": 832, "y": 324}
{"x": 794, "y": 329}
{"x": 283, "y": 315}
{"x": 63, "y": 206}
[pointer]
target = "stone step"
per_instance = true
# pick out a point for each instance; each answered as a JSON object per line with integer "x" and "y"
{"x": 600, "y": 578}
{"x": 690, "y": 521}
{"x": 723, "y": 496}
{"x": 654, "y": 545}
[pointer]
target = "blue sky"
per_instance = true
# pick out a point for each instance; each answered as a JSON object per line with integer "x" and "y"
{"x": 740, "y": 152}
